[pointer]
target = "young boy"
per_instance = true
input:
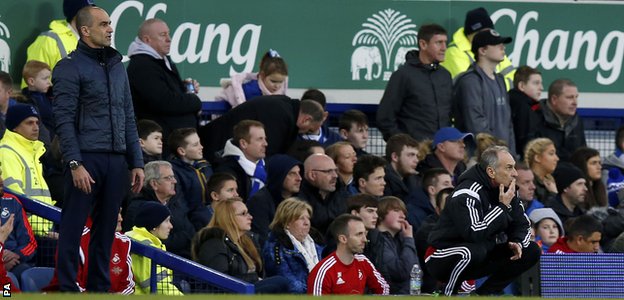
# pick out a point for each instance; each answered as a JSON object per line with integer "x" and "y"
{"x": 221, "y": 186}
{"x": 150, "y": 138}
{"x": 37, "y": 76}
{"x": 192, "y": 172}
{"x": 353, "y": 127}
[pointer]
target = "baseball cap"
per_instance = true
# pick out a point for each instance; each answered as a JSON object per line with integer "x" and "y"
{"x": 448, "y": 134}
{"x": 488, "y": 37}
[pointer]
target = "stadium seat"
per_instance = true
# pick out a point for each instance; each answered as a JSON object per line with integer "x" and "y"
{"x": 34, "y": 279}
{"x": 14, "y": 279}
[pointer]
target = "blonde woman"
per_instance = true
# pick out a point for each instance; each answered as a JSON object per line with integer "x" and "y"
{"x": 541, "y": 156}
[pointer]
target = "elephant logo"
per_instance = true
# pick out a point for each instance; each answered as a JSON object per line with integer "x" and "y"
{"x": 376, "y": 42}
{"x": 5, "y": 50}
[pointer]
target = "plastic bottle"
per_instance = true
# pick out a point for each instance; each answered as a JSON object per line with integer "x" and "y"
{"x": 415, "y": 280}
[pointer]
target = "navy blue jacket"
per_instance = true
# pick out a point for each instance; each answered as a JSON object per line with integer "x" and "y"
{"x": 21, "y": 241}
{"x": 92, "y": 105}
{"x": 192, "y": 180}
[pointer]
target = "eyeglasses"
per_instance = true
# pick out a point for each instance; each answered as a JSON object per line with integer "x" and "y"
{"x": 168, "y": 178}
{"x": 243, "y": 214}
{"x": 327, "y": 171}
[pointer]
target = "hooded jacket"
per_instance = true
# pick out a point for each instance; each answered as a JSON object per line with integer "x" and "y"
{"x": 614, "y": 165}
{"x": 158, "y": 92}
{"x": 474, "y": 214}
{"x": 567, "y": 138}
{"x": 262, "y": 205}
{"x": 234, "y": 93}
{"x": 417, "y": 100}
{"x": 192, "y": 180}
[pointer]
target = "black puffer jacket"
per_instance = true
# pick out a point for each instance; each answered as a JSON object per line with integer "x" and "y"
{"x": 567, "y": 138}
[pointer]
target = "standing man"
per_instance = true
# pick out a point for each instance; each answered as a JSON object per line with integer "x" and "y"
{"x": 459, "y": 55}
{"x": 98, "y": 138}
{"x": 480, "y": 99}
{"x": 483, "y": 230}
{"x": 417, "y": 100}
{"x": 158, "y": 92}
{"x": 347, "y": 271}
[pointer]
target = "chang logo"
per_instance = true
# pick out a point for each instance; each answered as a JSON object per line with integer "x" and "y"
{"x": 376, "y": 44}
{"x": 5, "y": 50}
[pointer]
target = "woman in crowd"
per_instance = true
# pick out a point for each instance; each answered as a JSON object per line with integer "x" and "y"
{"x": 226, "y": 245}
{"x": 343, "y": 154}
{"x": 588, "y": 160}
{"x": 272, "y": 79}
{"x": 290, "y": 250}
{"x": 541, "y": 157}
{"x": 547, "y": 227}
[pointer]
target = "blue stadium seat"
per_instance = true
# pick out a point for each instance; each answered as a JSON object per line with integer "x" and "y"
{"x": 34, "y": 279}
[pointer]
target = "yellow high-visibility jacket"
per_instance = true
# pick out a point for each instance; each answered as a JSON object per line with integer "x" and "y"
{"x": 141, "y": 266}
{"x": 23, "y": 173}
{"x": 459, "y": 57}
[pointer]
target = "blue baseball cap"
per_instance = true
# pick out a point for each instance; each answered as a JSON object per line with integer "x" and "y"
{"x": 449, "y": 134}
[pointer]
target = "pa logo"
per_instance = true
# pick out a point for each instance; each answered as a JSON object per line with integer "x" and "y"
{"x": 5, "y": 50}
{"x": 381, "y": 45}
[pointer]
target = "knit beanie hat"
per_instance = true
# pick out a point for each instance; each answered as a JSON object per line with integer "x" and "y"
{"x": 151, "y": 214}
{"x": 565, "y": 175}
{"x": 71, "y": 7}
{"x": 476, "y": 20}
{"x": 539, "y": 214}
{"x": 18, "y": 113}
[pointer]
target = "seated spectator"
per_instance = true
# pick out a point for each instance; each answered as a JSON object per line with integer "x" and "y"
{"x": 243, "y": 157}
{"x": 524, "y": 100}
{"x": 272, "y": 79}
{"x": 365, "y": 207}
{"x": 572, "y": 192}
{"x": 398, "y": 254}
{"x": 283, "y": 182}
{"x": 343, "y": 154}
{"x": 160, "y": 187}
{"x": 346, "y": 271}
{"x": 421, "y": 202}
{"x": 547, "y": 227}
{"x": 225, "y": 245}
{"x": 402, "y": 157}
{"x": 612, "y": 221}
{"x": 191, "y": 173}
{"x": 449, "y": 151}
{"x": 20, "y": 152}
{"x": 291, "y": 250}
{"x": 368, "y": 176}
{"x": 614, "y": 165}
{"x": 301, "y": 149}
{"x": 319, "y": 190}
{"x": 583, "y": 236}
{"x": 525, "y": 181}
{"x": 588, "y": 160}
{"x": 18, "y": 246}
{"x": 152, "y": 225}
{"x": 353, "y": 127}
{"x": 121, "y": 277}
{"x": 483, "y": 141}
{"x": 323, "y": 135}
{"x": 541, "y": 156}
{"x": 150, "y": 138}
{"x": 220, "y": 186}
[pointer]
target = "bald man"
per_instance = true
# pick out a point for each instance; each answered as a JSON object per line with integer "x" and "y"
{"x": 158, "y": 91}
{"x": 320, "y": 190}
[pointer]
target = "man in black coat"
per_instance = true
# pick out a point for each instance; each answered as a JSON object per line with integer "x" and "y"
{"x": 158, "y": 92}
{"x": 524, "y": 101}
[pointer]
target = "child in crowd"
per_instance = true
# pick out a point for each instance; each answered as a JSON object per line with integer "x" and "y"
{"x": 272, "y": 79}
{"x": 547, "y": 227}
{"x": 220, "y": 186}
{"x": 192, "y": 172}
{"x": 353, "y": 127}
{"x": 150, "y": 138}
{"x": 37, "y": 76}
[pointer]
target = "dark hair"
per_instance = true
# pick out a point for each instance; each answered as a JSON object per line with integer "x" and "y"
{"x": 217, "y": 181}
{"x": 301, "y": 149}
{"x": 619, "y": 138}
{"x": 365, "y": 166}
{"x": 396, "y": 143}
{"x": 177, "y": 139}
{"x": 556, "y": 87}
{"x": 430, "y": 177}
{"x": 427, "y": 31}
{"x": 584, "y": 226}
{"x": 388, "y": 203}
{"x": 241, "y": 130}
{"x": 272, "y": 63}
{"x": 146, "y": 127}
{"x": 440, "y": 195}
{"x": 597, "y": 195}
{"x": 84, "y": 17}
{"x": 340, "y": 225}
{"x": 350, "y": 117}
{"x": 523, "y": 73}
{"x": 5, "y": 80}
{"x": 313, "y": 109}
{"x": 316, "y": 95}
{"x": 522, "y": 166}
{"x": 359, "y": 201}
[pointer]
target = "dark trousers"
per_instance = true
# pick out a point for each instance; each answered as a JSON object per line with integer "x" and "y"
{"x": 110, "y": 173}
{"x": 472, "y": 261}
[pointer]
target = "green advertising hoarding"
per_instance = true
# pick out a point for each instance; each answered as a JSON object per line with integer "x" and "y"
{"x": 349, "y": 46}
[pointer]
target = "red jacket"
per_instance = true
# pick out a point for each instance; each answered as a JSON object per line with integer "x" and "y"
{"x": 561, "y": 246}
{"x": 331, "y": 276}
{"x": 7, "y": 283}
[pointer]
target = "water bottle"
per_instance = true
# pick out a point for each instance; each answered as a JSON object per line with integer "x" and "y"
{"x": 415, "y": 280}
